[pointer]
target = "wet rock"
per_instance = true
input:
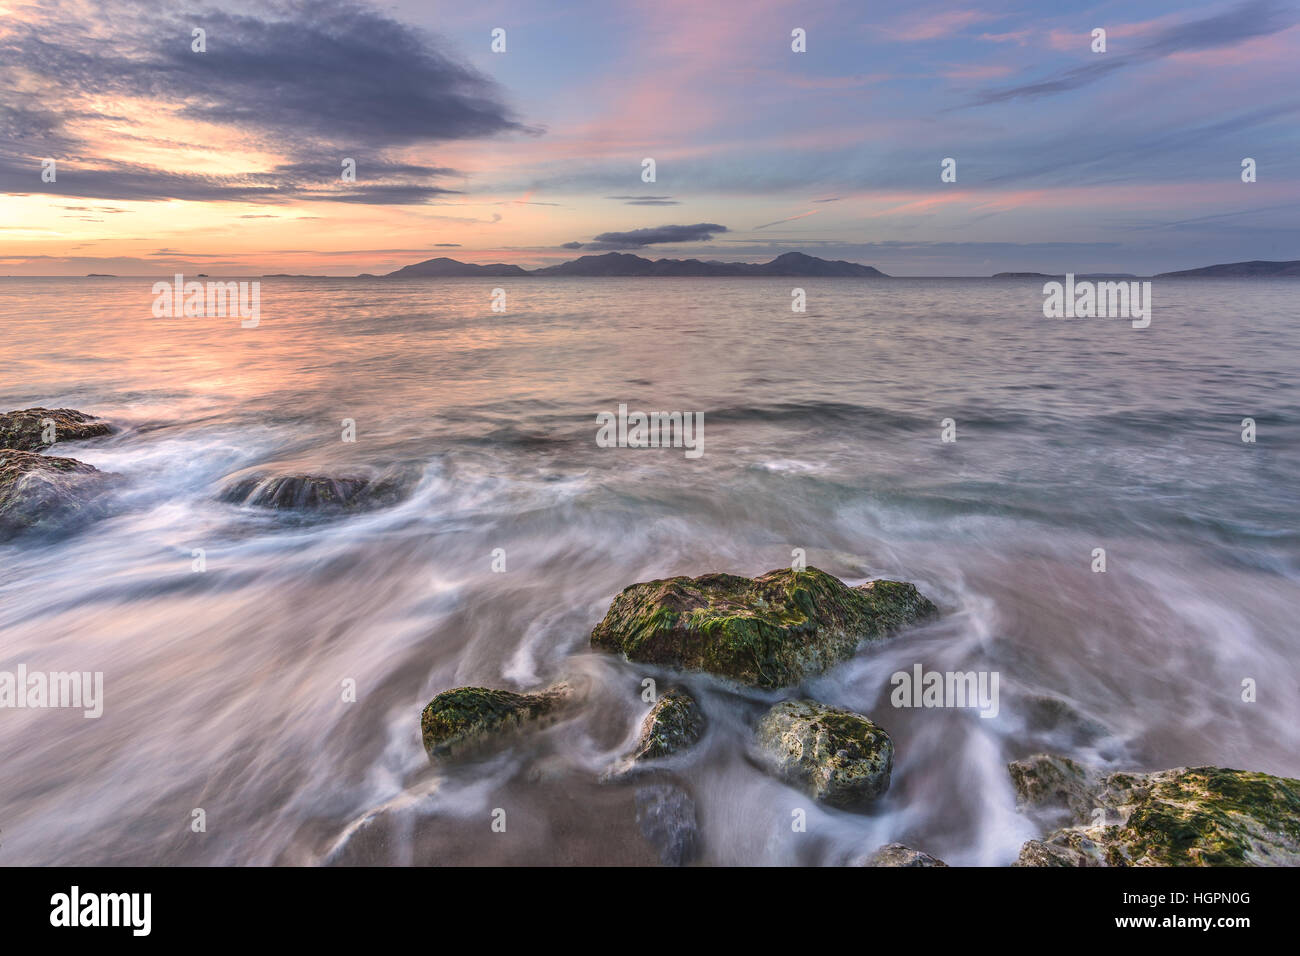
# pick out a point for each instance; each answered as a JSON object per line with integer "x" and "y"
{"x": 770, "y": 631}
{"x": 47, "y": 493}
{"x": 1199, "y": 816}
{"x": 1053, "y": 716}
{"x": 311, "y": 492}
{"x": 28, "y": 429}
{"x": 472, "y": 718}
{"x": 666, "y": 814}
{"x": 674, "y": 723}
{"x": 1049, "y": 783}
{"x": 895, "y": 854}
{"x": 836, "y": 756}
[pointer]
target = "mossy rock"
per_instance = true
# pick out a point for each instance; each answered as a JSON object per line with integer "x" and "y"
{"x": 895, "y": 854}
{"x": 1202, "y": 816}
{"x": 26, "y": 429}
{"x": 837, "y": 757}
{"x": 48, "y": 493}
{"x": 769, "y": 631}
{"x": 467, "y": 719}
{"x": 311, "y": 492}
{"x": 673, "y": 724}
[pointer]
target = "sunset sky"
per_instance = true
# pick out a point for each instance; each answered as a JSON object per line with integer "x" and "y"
{"x": 229, "y": 161}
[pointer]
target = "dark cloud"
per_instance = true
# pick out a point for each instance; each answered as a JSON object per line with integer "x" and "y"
{"x": 646, "y": 200}
{"x": 571, "y": 245}
{"x": 637, "y": 238}
{"x": 447, "y": 245}
{"x": 1248, "y": 20}
{"x": 319, "y": 80}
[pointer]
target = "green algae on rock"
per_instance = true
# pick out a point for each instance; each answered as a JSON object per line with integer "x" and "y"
{"x": 32, "y": 429}
{"x": 1199, "y": 816}
{"x": 47, "y": 493}
{"x": 468, "y": 718}
{"x": 672, "y": 725}
{"x": 895, "y": 854}
{"x": 835, "y": 756}
{"x": 769, "y": 631}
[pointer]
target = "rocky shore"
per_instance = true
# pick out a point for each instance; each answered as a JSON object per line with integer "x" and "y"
{"x": 761, "y": 639}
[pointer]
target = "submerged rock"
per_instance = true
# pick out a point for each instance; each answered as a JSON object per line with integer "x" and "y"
{"x": 47, "y": 493}
{"x": 770, "y": 631}
{"x": 1199, "y": 816}
{"x": 895, "y": 854}
{"x": 28, "y": 429}
{"x": 666, "y": 815}
{"x": 835, "y": 756}
{"x": 311, "y": 492}
{"x": 469, "y": 718}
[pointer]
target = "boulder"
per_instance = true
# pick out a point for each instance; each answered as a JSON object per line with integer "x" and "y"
{"x": 1198, "y": 816}
{"x": 835, "y": 756}
{"x": 467, "y": 719}
{"x": 46, "y": 493}
{"x": 672, "y": 725}
{"x": 895, "y": 854}
{"x": 310, "y": 492}
{"x": 27, "y": 429}
{"x": 770, "y": 631}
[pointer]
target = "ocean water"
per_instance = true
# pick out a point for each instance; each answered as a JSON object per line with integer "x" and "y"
{"x": 223, "y": 689}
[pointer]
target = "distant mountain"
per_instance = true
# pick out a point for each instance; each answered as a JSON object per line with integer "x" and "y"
{"x": 444, "y": 267}
{"x": 1255, "y": 268}
{"x": 624, "y": 264}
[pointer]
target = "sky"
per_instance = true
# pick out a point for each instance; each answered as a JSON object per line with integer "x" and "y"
{"x": 230, "y": 160}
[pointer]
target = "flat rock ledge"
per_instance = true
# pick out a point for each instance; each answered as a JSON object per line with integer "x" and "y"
{"x": 837, "y": 757}
{"x": 47, "y": 493}
{"x": 1198, "y": 816}
{"x": 469, "y": 719}
{"x": 27, "y": 429}
{"x": 770, "y": 631}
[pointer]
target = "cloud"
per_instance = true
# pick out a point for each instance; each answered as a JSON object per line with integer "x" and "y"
{"x": 571, "y": 245}
{"x": 638, "y": 238}
{"x": 1246, "y": 21}
{"x": 316, "y": 80}
{"x": 646, "y": 200}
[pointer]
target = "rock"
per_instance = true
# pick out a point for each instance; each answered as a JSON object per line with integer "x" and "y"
{"x": 1202, "y": 816}
{"x": 666, "y": 815}
{"x": 674, "y": 723}
{"x": 1046, "y": 782}
{"x": 472, "y": 718}
{"x": 834, "y": 755}
{"x": 770, "y": 631}
{"x": 46, "y": 493}
{"x": 310, "y": 492}
{"x": 895, "y": 854}
{"x": 26, "y": 429}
